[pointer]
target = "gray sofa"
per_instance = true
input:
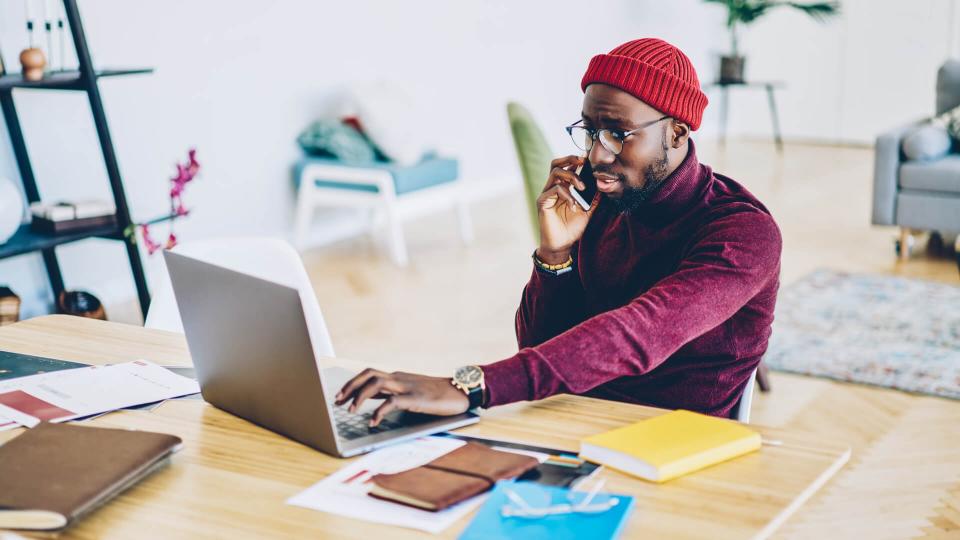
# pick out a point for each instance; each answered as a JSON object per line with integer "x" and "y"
{"x": 919, "y": 195}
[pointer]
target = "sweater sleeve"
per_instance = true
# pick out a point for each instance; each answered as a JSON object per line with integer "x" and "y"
{"x": 727, "y": 265}
{"x": 550, "y": 305}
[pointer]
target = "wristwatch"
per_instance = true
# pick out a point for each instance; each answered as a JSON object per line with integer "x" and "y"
{"x": 469, "y": 380}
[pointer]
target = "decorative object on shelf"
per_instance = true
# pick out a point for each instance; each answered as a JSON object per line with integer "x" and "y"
{"x": 9, "y": 306}
{"x": 11, "y": 209}
{"x": 33, "y": 62}
{"x": 83, "y": 78}
{"x": 48, "y": 30}
{"x": 743, "y": 12}
{"x": 28, "y": 9}
{"x": 186, "y": 172}
{"x": 67, "y": 217}
{"x": 81, "y": 304}
{"x": 32, "y": 59}
{"x": 62, "y": 35}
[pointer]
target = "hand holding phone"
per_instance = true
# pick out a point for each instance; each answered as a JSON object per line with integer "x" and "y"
{"x": 563, "y": 209}
{"x": 585, "y": 198}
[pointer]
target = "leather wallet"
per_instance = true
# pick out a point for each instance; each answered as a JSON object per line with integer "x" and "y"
{"x": 467, "y": 471}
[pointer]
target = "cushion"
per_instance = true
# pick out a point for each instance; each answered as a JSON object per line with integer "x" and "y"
{"x": 392, "y": 121}
{"x": 335, "y": 139}
{"x": 950, "y": 120}
{"x": 927, "y": 210}
{"x": 926, "y": 142}
{"x": 948, "y": 86}
{"x": 430, "y": 171}
{"x": 940, "y": 175}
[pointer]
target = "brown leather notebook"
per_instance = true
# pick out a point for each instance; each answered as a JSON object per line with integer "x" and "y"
{"x": 467, "y": 471}
{"x": 52, "y": 474}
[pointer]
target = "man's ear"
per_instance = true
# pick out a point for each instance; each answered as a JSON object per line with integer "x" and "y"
{"x": 680, "y": 133}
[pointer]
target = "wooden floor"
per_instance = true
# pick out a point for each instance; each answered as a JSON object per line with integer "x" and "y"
{"x": 454, "y": 305}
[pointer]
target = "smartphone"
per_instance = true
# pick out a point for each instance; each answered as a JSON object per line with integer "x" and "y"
{"x": 585, "y": 198}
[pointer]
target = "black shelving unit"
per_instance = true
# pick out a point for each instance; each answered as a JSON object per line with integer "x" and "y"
{"x": 83, "y": 79}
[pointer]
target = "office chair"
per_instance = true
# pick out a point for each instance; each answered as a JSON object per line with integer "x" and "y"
{"x": 266, "y": 258}
{"x": 742, "y": 413}
{"x": 534, "y": 155}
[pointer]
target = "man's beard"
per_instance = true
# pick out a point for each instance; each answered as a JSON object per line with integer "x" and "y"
{"x": 654, "y": 175}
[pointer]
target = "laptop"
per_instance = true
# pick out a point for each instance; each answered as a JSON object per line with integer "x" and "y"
{"x": 253, "y": 357}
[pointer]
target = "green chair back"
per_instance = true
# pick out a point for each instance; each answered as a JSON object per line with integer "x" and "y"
{"x": 534, "y": 156}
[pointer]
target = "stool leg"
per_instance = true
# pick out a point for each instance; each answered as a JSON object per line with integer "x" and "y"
{"x": 905, "y": 238}
{"x": 463, "y": 217}
{"x": 398, "y": 247}
{"x": 956, "y": 251}
{"x": 777, "y": 138}
{"x": 763, "y": 377}
{"x": 303, "y": 215}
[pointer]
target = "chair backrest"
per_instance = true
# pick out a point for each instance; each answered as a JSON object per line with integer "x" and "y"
{"x": 948, "y": 86}
{"x": 534, "y": 156}
{"x": 266, "y": 258}
{"x": 746, "y": 400}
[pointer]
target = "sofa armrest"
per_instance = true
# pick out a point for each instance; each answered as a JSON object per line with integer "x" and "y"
{"x": 886, "y": 172}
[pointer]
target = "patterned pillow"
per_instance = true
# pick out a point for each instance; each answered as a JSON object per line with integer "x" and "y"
{"x": 951, "y": 121}
{"x": 332, "y": 138}
{"x": 926, "y": 142}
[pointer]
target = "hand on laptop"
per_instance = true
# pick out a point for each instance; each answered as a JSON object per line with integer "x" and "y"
{"x": 403, "y": 392}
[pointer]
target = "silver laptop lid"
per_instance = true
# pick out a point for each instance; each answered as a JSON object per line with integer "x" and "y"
{"x": 251, "y": 349}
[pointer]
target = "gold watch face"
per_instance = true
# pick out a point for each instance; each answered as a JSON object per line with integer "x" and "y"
{"x": 468, "y": 376}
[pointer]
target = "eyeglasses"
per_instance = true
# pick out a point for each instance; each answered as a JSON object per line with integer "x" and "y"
{"x": 532, "y": 501}
{"x": 611, "y": 139}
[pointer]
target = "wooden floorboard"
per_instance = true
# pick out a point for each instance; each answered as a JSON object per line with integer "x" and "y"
{"x": 454, "y": 305}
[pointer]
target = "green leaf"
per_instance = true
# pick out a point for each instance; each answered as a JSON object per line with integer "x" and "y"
{"x": 747, "y": 11}
{"x": 819, "y": 11}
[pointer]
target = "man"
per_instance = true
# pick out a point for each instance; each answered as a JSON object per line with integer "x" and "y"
{"x": 662, "y": 293}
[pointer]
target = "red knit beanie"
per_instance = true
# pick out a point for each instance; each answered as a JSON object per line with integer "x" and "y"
{"x": 655, "y": 72}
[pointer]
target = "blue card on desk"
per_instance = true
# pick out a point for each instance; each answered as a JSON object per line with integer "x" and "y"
{"x": 490, "y": 523}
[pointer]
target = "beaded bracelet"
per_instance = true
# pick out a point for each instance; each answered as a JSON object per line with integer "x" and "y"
{"x": 555, "y": 269}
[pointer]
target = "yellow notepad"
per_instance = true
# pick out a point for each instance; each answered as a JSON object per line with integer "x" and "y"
{"x": 670, "y": 445}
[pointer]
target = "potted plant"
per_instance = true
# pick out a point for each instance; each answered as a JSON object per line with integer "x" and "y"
{"x": 742, "y": 12}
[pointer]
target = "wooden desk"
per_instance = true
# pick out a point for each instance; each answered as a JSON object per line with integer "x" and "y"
{"x": 232, "y": 478}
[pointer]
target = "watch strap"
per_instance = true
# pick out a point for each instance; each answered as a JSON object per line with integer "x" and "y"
{"x": 475, "y": 395}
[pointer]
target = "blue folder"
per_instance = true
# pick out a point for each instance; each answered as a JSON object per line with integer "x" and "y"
{"x": 490, "y": 524}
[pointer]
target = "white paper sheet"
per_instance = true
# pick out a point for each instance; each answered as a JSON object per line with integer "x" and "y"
{"x": 6, "y": 423}
{"x": 345, "y": 491}
{"x": 9, "y": 414}
{"x": 539, "y": 456}
{"x": 75, "y": 393}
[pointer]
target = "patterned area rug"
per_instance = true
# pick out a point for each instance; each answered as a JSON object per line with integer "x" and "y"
{"x": 880, "y": 330}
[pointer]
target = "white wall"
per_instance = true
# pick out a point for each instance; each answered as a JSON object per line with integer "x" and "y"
{"x": 868, "y": 70}
{"x": 239, "y": 79}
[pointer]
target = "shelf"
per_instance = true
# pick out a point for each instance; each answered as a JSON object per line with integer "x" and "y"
{"x": 83, "y": 79}
{"x": 63, "y": 80}
{"x": 27, "y": 241}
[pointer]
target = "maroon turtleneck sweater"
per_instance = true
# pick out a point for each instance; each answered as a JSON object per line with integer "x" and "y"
{"x": 669, "y": 306}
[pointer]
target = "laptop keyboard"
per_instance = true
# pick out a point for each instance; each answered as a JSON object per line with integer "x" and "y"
{"x": 353, "y": 426}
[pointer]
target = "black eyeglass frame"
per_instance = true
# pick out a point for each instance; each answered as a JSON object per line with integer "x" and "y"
{"x": 619, "y": 136}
